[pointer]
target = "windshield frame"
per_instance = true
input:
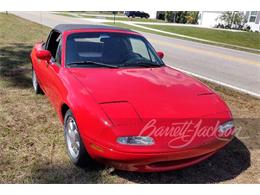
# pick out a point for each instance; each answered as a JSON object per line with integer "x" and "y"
{"x": 149, "y": 47}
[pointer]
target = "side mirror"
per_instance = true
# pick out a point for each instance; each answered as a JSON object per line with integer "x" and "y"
{"x": 160, "y": 54}
{"x": 43, "y": 55}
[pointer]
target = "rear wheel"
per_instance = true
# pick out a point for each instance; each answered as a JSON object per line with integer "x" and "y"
{"x": 75, "y": 147}
{"x": 35, "y": 83}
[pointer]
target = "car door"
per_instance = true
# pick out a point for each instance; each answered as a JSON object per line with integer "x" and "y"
{"x": 50, "y": 68}
{"x": 55, "y": 83}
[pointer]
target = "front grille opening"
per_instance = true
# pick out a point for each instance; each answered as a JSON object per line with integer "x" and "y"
{"x": 177, "y": 162}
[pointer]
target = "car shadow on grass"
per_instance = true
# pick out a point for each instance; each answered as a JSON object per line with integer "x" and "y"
{"x": 226, "y": 164}
{"x": 15, "y": 65}
{"x": 67, "y": 173}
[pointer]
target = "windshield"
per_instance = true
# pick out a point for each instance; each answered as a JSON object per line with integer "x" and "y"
{"x": 105, "y": 48}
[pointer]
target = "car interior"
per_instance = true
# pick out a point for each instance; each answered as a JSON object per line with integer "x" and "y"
{"x": 112, "y": 50}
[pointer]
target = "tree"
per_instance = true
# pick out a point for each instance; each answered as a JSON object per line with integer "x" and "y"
{"x": 190, "y": 17}
{"x": 239, "y": 18}
{"x": 181, "y": 17}
{"x": 226, "y": 17}
{"x": 169, "y": 16}
{"x": 232, "y": 19}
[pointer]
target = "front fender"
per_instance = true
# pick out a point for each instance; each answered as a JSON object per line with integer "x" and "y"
{"x": 90, "y": 118}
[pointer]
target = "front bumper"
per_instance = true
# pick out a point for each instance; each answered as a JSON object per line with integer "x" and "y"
{"x": 152, "y": 162}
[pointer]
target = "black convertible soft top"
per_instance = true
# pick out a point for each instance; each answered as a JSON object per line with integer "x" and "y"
{"x": 65, "y": 27}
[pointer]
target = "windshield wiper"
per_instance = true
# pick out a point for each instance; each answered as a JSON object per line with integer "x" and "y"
{"x": 143, "y": 63}
{"x": 75, "y": 64}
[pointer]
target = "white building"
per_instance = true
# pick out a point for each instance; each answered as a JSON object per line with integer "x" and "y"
{"x": 210, "y": 19}
{"x": 253, "y": 20}
{"x": 153, "y": 14}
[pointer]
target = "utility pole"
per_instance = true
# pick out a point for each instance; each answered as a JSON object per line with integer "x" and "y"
{"x": 114, "y": 13}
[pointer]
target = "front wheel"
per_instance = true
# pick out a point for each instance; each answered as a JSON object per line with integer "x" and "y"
{"x": 75, "y": 147}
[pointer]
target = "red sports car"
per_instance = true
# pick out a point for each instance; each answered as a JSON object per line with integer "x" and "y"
{"x": 121, "y": 105}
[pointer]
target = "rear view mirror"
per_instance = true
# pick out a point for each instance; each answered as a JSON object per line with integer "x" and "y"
{"x": 43, "y": 55}
{"x": 160, "y": 54}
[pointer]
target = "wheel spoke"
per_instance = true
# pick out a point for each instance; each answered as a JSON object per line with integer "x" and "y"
{"x": 71, "y": 126}
{"x": 70, "y": 134}
{"x": 77, "y": 145}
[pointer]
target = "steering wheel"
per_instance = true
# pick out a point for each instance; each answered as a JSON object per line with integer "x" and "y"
{"x": 132, "y": 56}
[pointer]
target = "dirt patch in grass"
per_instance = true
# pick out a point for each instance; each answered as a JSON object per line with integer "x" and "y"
{"x": 32, "y": 148}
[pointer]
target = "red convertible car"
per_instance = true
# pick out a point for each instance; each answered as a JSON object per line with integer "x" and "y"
{"x": 121, "y": 105}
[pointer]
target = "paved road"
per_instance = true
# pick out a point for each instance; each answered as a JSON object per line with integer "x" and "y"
{"x": 236, "y": 69}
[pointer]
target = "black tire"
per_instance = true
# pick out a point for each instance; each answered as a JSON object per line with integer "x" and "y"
{"x": 37, "y": 88}
{"x": 83, "y": 158}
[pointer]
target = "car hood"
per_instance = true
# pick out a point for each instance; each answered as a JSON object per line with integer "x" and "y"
{"x": 153, "y": 92}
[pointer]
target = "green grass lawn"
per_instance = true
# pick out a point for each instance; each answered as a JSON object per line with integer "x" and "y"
{"x": 244, "y": 39}
{"x": 32, "y": 147}
{"x": 135, "y": 19}
{"x": 120, "y": 18}
{"x": 96, "y": 12}
{"x": 241, "y": 39}
{"x": 88, "y": 16}
{"x": 66, "y": 14}
{"x": 109, "y": 17}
